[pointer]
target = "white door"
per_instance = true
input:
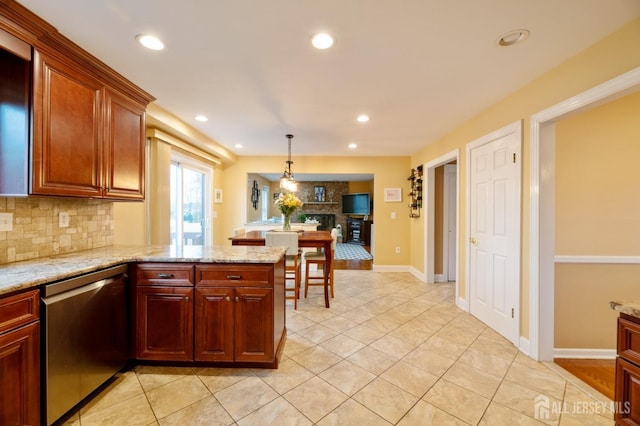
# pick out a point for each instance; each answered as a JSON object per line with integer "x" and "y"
{"x": 450, "y": 234}
{"x": 494, "y": 214}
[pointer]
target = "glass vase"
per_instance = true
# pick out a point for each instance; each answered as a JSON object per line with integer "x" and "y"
{"x": 286, "y": 222}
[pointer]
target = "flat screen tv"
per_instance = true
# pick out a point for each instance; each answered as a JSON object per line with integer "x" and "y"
{"x": 356, "y": 204}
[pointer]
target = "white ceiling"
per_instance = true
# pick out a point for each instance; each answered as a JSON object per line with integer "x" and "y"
{"x": 417, "y": 67}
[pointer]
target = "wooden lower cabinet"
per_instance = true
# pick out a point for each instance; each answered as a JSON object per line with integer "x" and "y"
{"x": 224, "y": 313}
{"x": 627, "y": 390}
{"x": 164, "y": 323}
{"x": 20, "y": 359}
{"x": 214, "y": 324}
{"x": 234, "y": 324}
{"x": 627, "y": 393}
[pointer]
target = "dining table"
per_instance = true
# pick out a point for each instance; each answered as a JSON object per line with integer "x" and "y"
{"x": 310, "y": 239}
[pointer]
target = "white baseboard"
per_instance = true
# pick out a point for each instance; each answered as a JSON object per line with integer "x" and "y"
{"x": 391, "y": 268}
{"x": 439, "y": 278}
{"x": 462, "y": 304}
{"x": 418, "y": 274}
{"x": 584, "y": 353}
{"x": 524, "y": 346}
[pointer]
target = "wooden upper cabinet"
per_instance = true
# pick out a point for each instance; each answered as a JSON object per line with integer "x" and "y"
{"x": 124, "y": 148}
{"x": 87, "y": 121}
{"x": 67, "y": 138}
{"x": 88, "y": 137}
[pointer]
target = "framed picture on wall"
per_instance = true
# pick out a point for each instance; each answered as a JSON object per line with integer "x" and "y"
{"x": 318, "y": 194}
{"x": 392, "y": 195}
{"x": 217, "y": 195}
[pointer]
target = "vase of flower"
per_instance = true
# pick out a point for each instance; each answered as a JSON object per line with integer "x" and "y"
{"x": 286, "y": 222}
{"x": 287, "y": 204}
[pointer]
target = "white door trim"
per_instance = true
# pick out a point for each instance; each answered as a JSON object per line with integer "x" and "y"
{"x": 429, "y": 211}
{"x": 513, "y": 128}
{"x": 541, "y": 213}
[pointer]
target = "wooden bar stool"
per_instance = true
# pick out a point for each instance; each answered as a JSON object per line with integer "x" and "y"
{"x": 318, "y": 258}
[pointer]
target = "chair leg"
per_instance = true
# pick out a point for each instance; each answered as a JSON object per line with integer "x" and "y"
{"x": 331, "y": 280}
{"x": 306, "y": 279}
{"x": 297, "y": 285}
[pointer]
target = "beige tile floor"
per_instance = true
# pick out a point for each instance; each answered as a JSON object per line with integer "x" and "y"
{"x": 390, "y": 350}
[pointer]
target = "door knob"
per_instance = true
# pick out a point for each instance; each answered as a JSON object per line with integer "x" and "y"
{"x": 472, "y": 240}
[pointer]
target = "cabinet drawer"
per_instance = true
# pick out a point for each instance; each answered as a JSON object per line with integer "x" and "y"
{"x": 19, "y": 309}
{"x": 173, "y": 274}
{"x": 629, "y": 340}
{"x": 227, "y": 274}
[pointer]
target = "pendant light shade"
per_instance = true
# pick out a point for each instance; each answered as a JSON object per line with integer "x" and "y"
{"x": 287, "y": 181}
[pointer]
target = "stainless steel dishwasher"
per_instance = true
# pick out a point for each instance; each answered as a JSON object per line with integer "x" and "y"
{"x": 85, "y": 337}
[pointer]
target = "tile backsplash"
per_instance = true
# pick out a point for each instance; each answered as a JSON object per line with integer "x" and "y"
{"x": 36, "y": 231}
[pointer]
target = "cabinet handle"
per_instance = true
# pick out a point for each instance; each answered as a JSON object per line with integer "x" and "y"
{"x": 166, "y": 276}
{"x": 228, "y": 299}
{"x": 186, "y": 298}
{"x": 237, "y": 299}
{"x": 234, "y": 277}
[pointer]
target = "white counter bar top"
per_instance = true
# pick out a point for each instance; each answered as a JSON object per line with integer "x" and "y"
{"x": 31, "y": 273}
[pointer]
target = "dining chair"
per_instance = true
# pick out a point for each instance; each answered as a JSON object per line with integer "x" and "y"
{"x": 318, "y": 258}
{"x": 293, "y": 269}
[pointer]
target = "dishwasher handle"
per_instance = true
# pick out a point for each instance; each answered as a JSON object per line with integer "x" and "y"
{"x": 82, "y": 280}
{"x": 80, "y": 290}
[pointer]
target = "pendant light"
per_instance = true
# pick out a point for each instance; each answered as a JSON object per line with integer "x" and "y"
{"x": 287, "y": 181}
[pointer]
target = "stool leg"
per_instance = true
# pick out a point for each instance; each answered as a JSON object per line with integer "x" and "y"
{"x": 306, "y": 279}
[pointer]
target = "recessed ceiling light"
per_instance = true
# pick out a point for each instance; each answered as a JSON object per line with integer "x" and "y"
{"x": 238, "y": 145}
{"x": 322, "y": 41}
{"x": 150, "y": 42}
{"x": 363, "y": 118}
{"x": 201, "y": 118}
{"x": 353, "y": 145}
{"x": 513, "y": 37}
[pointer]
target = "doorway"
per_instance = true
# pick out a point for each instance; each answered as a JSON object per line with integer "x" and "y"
{"x": 452, "y": 220}
{"x": 542, "y": 208}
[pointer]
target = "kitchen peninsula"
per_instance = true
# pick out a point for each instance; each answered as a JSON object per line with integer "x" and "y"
{"x": 215, "y": 306}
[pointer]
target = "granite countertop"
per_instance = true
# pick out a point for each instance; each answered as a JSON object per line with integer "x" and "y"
{"x": 629, "y": 308}
{"x": 31, "y": 273}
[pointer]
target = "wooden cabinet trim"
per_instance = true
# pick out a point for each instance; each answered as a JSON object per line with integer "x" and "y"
{"x": 165, "y": 274}
{"x": 19, "y": 309}
{"x": 234, "y": 275}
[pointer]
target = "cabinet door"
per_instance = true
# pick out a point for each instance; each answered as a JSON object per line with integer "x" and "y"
{"x": 627, "y": 393}
{"x": 67, "y": 136}
{"x": 214, "y": 324}
{"x": 164, "y": 323}
{"x": 254, "y": 337}
{"x": 20, "y": 372}
{"x": 124, "y": 152}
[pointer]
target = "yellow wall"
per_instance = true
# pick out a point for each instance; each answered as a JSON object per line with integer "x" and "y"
{"x": 597, "y": 203}
{"x": 583, "y": 318}
{"x": 598, "y": 180}
{"x": 612, "y": 56}
{"x": 388, "y": 172}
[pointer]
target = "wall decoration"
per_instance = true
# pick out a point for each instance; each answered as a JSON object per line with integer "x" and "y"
{"x": 319, "y": 194}
{"x": 217, "y": 195}
{"x": 392, "y": 195}
{"x": 255, "y": 195}
{"x": 416, "y": 192}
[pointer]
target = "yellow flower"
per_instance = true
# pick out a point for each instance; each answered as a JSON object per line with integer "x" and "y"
{"x": 288, "y": 203}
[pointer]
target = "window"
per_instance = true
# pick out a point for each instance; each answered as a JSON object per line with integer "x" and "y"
{"x": 190, "y": 202}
